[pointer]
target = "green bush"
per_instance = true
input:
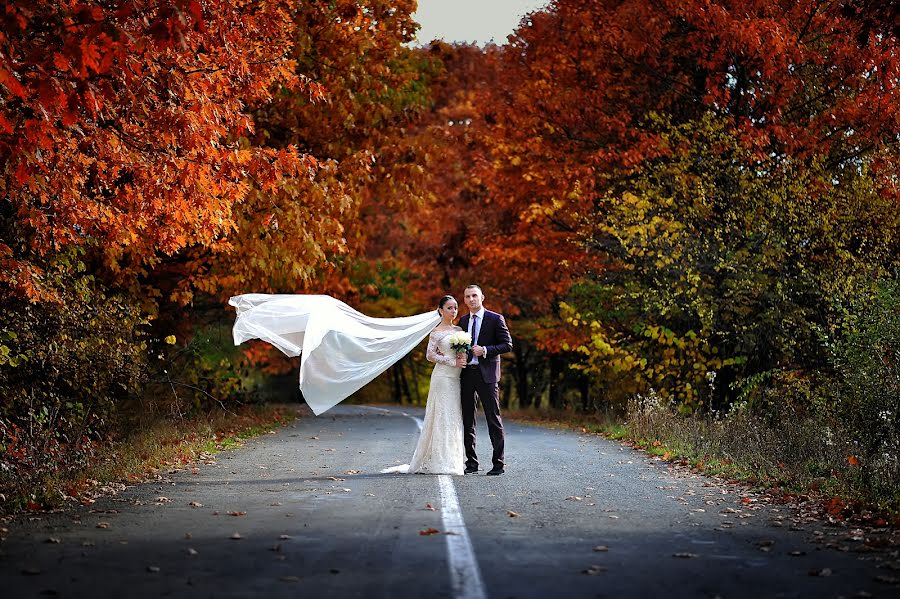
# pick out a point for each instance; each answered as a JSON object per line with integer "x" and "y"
{"x": 866, "y": 386}
{"x": 63, "y": 366}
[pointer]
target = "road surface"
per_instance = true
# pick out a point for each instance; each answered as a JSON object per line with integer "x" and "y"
{"x": 307, "y": 511}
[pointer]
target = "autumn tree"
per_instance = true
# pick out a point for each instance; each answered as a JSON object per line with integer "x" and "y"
{"x": 731, "y": 162}
{"x": 124, "y": 131}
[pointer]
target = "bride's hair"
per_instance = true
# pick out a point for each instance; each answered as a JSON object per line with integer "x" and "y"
{"x": 444, "y": 300}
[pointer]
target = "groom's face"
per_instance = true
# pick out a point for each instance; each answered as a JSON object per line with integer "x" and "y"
{"x": 473, "y": 298}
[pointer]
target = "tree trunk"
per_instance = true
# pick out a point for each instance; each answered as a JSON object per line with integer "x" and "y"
{"x": 404, "y": 382}
{"x": 414, "y": 370}
{"x": 507, "y": 393}
{"x": 395, "y": 378}
{"x": 554, "y": 387}
{"x": 584, "y": 385}
{"x": 522, "y": 376}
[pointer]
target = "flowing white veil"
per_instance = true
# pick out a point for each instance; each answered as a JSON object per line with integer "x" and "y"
{"x": 340, "y": 348}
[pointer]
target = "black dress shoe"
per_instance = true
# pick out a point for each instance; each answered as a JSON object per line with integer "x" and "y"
{"x": 470, "y": 470}
{"x": 495, "y": 471}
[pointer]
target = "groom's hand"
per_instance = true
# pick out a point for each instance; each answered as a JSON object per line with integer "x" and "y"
{"x": 478, "y": 351}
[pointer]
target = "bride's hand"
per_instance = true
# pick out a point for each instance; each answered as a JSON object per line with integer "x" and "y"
{"x": 460, "y": 360}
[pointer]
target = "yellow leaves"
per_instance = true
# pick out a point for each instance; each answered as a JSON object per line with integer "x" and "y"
{"x": 170, "y": 340}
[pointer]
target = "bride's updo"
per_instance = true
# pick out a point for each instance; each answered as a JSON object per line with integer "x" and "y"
{"x": 444, "y": 300}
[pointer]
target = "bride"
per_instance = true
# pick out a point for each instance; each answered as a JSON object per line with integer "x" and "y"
{"x": 440, "y": 446}
{"x": 341, "y": 350}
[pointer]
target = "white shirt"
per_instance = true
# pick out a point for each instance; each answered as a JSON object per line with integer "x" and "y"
{"x": 474, "y": 334}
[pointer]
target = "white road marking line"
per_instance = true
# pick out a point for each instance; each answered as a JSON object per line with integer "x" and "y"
{"x": 465, "y": 577}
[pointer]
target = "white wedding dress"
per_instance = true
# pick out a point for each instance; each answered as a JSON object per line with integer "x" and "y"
{"x": 440, "y": 447}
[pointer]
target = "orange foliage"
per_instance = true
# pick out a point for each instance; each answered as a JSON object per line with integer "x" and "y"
{"x": 121, "y": 124}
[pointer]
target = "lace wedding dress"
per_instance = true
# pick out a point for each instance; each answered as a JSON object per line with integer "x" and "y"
{"x": 440, "y": 447}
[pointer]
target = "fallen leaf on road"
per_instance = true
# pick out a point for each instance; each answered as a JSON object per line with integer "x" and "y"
{"x": 191, "y": 551}
{"x": 53, "y": 540}
{"x": 601, "y": 548}
{"x": 796, "y": 553}
{"x": 284, "y": 537}
{"x": 163, "y": 500}
{"x": 594, "y": 570}
{"x": 188, "y": 535}
{"x": 684, "y": 554}
{"x": 353, "y": 472}
{"x": 236, "y": 536}
{"x": 335, "y": 479}
{"x": 314, "y": 438}
{"x": 573, "y": 498}
{"x": 275, "y": 504}
{"x": 887, "y": 579}
{"x": 195, "y": 504}
{"x": 822, "y": 572}
{"x": 237, "y": 513}
{"x": 102, "y": 524}
{"x": 429, "y": 531}
{"x": 512, "y": 514}
{"x": 153, "y": 569}
{"x": 430, "y": 507}
{"x": 289, "y": 579}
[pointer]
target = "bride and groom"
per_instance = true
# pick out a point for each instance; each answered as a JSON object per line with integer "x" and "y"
{"x": 341, "y": 350}
{"x": 446, "y": 444}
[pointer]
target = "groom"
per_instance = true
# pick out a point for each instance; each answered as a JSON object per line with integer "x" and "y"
{"x": 481, "y": 376}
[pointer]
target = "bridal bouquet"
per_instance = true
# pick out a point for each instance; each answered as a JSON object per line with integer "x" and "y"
{"x": 461, "y": 342}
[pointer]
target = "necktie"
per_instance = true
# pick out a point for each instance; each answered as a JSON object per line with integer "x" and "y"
{"x": 472, "y": 357}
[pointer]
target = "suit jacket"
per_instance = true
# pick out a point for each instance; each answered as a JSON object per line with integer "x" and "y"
{"x": 495, "y": 338}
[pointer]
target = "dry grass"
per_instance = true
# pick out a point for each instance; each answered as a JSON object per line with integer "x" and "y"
{"x": 795, "y": 453}
{"x": 163, "y": 444}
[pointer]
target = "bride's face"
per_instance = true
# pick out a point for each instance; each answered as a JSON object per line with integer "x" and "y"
{"x": 450, "y": 310}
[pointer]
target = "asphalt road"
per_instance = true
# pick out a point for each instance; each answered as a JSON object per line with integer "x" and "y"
{"x": 307, "y": 511}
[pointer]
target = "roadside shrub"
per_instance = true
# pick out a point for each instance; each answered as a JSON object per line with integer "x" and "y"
{"x": 63, "y": 366}
{"x": 866, "y": 387}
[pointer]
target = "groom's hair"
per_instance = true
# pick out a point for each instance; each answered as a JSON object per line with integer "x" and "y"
{"x": 474, "y": 286}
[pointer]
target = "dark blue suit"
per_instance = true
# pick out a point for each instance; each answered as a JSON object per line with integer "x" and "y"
{"x": 483, "y": 380}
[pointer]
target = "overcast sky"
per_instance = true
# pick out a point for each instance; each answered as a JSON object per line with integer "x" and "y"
{"x": 478, "y": 21}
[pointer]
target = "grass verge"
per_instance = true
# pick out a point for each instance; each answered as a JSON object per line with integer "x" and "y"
{"x": 789, "y": 464}
{"x": 160, "y": 445}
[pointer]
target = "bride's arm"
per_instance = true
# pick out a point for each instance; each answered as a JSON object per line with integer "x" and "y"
{"x": 433, "y": 354}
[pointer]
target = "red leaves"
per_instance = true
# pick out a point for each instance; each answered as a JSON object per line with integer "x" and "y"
{"x": 133, "y": 130}
{"x": 429, "y": 531}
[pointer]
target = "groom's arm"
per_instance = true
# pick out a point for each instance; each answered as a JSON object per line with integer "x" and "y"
{"x": 503, "y": 337}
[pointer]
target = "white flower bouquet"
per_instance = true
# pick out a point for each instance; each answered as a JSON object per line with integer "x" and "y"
{"x": 461, "y": 342}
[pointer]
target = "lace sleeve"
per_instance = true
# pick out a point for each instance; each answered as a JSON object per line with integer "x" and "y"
{"x": 434, "y": 354}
